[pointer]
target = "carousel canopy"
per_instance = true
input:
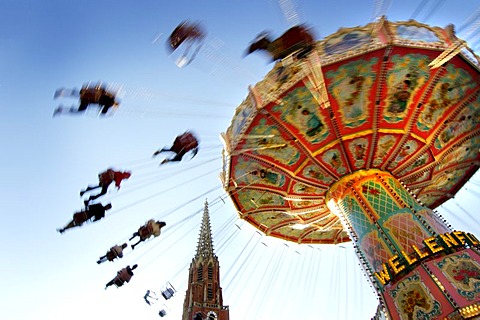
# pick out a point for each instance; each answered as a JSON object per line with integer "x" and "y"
{"x": 400, "y": 97}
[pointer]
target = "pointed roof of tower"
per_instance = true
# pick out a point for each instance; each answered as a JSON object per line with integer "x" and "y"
{"x": 205, "y": 242}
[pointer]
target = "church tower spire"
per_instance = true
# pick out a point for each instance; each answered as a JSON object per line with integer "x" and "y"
{"x": 205, "y": 242}
{"x": 203, "y": 299}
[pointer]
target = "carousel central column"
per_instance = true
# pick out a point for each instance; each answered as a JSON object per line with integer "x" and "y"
{"x": 418, "y": 265}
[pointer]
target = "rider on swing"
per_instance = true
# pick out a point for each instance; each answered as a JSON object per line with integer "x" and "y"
{"x": 115, "y": 252}
{"x": 151, "y": 228}
{"x": 105, "y": 179}
{"x": 95, "y": 211}
{"x": 183, "y": 143}
{"x": 122, "y": 276}
{"x": 88, "y": 95}
{"x": 192, "y": 35}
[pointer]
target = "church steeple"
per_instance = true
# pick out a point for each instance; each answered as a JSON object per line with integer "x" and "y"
{"x": 203, "y": 299}
{"x": 205, "y": 242}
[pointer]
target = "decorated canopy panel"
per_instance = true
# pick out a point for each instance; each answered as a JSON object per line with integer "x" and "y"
{"x": 400, "y": 97}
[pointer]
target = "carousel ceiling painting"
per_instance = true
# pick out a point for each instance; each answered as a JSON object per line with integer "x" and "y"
{"x": 401, "y": 97}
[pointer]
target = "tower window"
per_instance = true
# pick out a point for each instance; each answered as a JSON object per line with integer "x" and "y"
{"x": 200, "y": 273}
{"x": 210, "y": 272}
{"x": 209, "y": 292}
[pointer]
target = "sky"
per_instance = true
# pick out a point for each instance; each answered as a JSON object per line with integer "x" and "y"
{"x": 46, "y": 161}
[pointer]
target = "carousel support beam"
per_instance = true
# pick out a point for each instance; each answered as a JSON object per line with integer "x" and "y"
{"x": 448, "y": 54}
{"x": 315, "y": 76}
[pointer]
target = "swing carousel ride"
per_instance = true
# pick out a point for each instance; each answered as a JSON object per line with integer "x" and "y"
{"x": 359, "y": 140}
{"x": 357, "y": 137}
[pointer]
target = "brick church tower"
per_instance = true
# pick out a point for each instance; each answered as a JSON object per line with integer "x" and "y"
{"x": 203, "y": 299}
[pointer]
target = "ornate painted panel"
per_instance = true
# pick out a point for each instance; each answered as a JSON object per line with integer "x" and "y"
{"x": 462, "y": 270}
{"x": 414, "y": 300}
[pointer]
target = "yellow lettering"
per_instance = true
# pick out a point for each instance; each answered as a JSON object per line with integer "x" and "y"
{"x": 419, "y": 253}
{"x": 432, "y": 245}
{"x": 410, "y": 261}
{"x": 383, "y": 276}
{"x": 460, "y": 236}
{"x": 449, "y": 240}
{"x": 394, "y": 263}
{"x": 472, "y": 240}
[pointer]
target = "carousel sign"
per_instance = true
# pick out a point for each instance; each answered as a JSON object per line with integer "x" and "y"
{"x": 433, "y": 245}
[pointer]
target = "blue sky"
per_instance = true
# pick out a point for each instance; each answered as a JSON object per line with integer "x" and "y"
{"x": 46, "y": 45}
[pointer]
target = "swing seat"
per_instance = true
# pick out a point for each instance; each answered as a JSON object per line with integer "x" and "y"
{"x": 118, "y": 282}
{"x": 91, "y": 95}
{"x": 80, "y": 217}
{"x": 168, "y": 293}
{"x": 145, "y": 232}
{"x": 184, "y": 143}
{"x": 111, "y": 255}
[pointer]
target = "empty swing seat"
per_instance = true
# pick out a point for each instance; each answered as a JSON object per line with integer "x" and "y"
{"x": 168, "y": 293}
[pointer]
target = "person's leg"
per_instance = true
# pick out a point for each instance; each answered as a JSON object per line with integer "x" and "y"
{"x": 178, "y": 157}
{"x": 62, "y": 92}
{"x": 58, "y": 110}
{"x": 105, "y": 109}
{"x": 83, "y": 106}
{"x": 71, "y": 224}
{"x": 102, "y": 192}
{"x": 102, "y": 259}
{"x": 89, "y": 188}
{"x": 133, "y": 245}
{"x": 134, "y": 235}
{"x": 110, "y": 283}
{"x": 164, "y": 149}
{"x": 77, "y": 110}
